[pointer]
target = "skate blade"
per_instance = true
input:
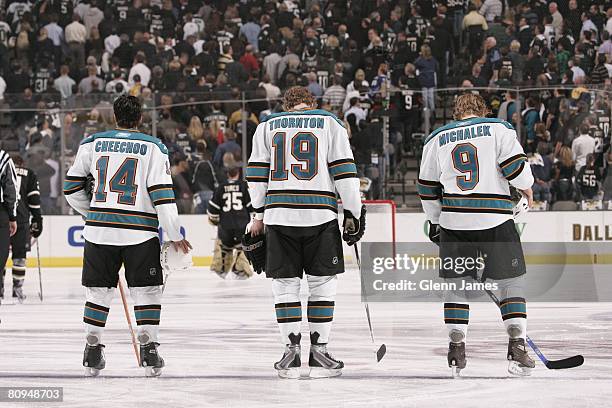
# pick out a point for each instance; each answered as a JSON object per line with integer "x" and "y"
{"x": 222, "y": 275}
{"x": 320, "y": 372}
{"x": 153, "y": 371}
{"x": 241, "y": 276}
{"x": 456, "y": 371}
{"x": 92, "y": 372}
{"x": 290, "y": 373}
{"x": 516, "y": 369}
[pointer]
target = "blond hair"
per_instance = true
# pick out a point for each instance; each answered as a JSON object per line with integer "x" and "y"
{"x": 565, "y": 156}
{"x": 297, "y": 95}
{"x": 426, "y": 51}
{"x": 195, "y": 129}
{"x": 470, "y": 104}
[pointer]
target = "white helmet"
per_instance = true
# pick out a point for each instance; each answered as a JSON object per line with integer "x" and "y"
{"x": 173, "y": 260}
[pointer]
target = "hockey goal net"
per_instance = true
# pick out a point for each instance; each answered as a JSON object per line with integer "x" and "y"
{"x": 380, "y": 227}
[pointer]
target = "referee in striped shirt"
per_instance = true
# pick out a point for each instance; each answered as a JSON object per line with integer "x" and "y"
{"x": 8, "y": 207}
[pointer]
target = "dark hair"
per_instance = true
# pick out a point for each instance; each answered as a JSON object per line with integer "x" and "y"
{"x": 128, "y": 111}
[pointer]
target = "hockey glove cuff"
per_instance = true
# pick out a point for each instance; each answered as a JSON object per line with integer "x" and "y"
{"x": 254, "y": 248}
{"x": 353, "y": 228}
{"x": 89, "y": 186}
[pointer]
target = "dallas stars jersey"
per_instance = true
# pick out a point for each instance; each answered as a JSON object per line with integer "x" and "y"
{"x": 232, "y": 203}
{"x": 465, "y": 173}
{"x": 132, "y": 188}
{"x": 299, "y": 160}
{"x": 29, "y": 196}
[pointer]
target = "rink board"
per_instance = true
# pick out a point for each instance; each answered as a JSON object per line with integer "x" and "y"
{"x": 61, "y": 244}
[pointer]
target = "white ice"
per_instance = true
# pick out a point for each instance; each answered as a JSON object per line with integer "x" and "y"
{"x": 219, "y": 340}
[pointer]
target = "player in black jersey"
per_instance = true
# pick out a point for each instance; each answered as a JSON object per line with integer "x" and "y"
{"x": 28, "y": 205}
{"x": 230, "y": 209}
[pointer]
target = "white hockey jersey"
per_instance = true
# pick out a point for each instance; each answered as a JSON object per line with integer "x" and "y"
{"x": 132, "y": 192}
{"x": 299, "y": 160}
{"x": 466, "y": 170}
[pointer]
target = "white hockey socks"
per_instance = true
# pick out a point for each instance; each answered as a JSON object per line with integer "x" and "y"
{"x": 288, "y": 307}
{"x": 97, "y": 306}
{"x": 513, "y": 306}
{"x": 147, "y": 309}
{"x": 321, "y": 306}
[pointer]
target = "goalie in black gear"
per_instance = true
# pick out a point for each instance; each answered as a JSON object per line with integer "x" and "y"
{"x": 28, "y": 205}
{"x": 230, "y": 210}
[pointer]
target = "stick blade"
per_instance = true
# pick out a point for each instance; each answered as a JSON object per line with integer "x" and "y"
{"x": 570, "y": 362}
{"x": 380, "y": 353}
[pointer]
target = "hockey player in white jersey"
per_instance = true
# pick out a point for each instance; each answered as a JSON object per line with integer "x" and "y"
{"x": 464, "y": 184}
{"x": 300, "y": 159}
{"x": 125, "y": 201}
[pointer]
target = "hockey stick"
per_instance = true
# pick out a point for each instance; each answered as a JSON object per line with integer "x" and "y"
{"x": 129, "y": 321}
{"x": 382, "y": 350}
{"x": 40, "y": 293}
{"x": 570, "y": 362}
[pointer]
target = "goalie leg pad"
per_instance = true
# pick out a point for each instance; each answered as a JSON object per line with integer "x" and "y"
{"x": 97, "y": 307}
{"x": 321, "y": 304}
{"x": 288, "y": 307}
{"x": 147, "y": 309}
{"x": 227, "y": 257}
{"x": 242, "y": 263}
{"x": 217, "y": 260}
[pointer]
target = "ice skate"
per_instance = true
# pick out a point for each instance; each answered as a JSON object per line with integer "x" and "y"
{"x": 322, "y": 364}
{"x": 93, "y": 357}
{"x": 289, "y": 365}
{"x": 519, "y": 362}
{"x": 456, "y": 357}
{"x": 149, "y": 357}
{"x": 18, "y": 291}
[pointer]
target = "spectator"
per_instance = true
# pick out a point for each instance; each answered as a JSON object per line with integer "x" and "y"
{"x": 313, "y": 86}
{"x": 64, "y": 84}
{"x": 139, "y": 68}
{"x": 76, "y": 35}
{"x": 531, "y": 116}
{"x": 335, "y": 94}
{"x": 541, "y": 167}
{"x": 557, "y": 19}
{"x": 229, "y": 145}
{"x": 564, "y": 172}
{"x": 86, "y": 85}
{"x": 491, "y": 9}
{"x": 599, "y": 75}
{"x": 273, "y": 92}
{"x": 248, "y": 60}
{"x": 118, "y": 85}
{"x": 204, "y": 180}
{"x": 588, "y": 178}
{"x": 356, "y": 111}
{"x": 427, "y": 67}
{"x": 182, "y": 190}
{"x": 93, "y": 16}
{"x": 582, "y": 146}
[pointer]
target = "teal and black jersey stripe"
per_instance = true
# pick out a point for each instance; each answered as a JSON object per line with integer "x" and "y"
{"x": 302, "y": 199}
{"x": 456, "y": 313}
{"x": 257, "y": 172}
{"x": 513, "y": 166}
{"x": 124, "y": 219}
{"x": 429, "y": 190}
{"x": 72, "y": 184}
{"x": 477, "y": 203}
{"x": 343, "y": 168}
{"x": 512, "y": 308}
{"x": 147, "y": 314}
{"x": 161, "y": 194}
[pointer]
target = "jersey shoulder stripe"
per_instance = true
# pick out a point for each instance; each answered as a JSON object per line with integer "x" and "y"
{"x": 467, "y": 122}
{"x": 126, "y": 134}
{"x": 320, "y": 112}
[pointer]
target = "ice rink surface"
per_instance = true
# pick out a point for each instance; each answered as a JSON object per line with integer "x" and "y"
{"x": 219, "y": 340}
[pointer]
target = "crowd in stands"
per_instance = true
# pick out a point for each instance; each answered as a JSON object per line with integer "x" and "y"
{"x": 194, "y": 63}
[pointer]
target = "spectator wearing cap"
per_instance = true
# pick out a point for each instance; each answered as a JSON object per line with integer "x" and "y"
{"x": 582, "y": 146}
{"x": 139, "y": 68}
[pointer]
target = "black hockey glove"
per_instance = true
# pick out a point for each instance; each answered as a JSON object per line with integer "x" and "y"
{"x": 434, "y": 233}
{"x": 255, "y": 250}
{"x": 353, "y": 228}
{"x": 36, "y": 227}
{"x": 89, "y": 186}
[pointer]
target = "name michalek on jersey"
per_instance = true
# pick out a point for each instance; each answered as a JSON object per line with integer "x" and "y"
{"x": 471, "y": 132}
